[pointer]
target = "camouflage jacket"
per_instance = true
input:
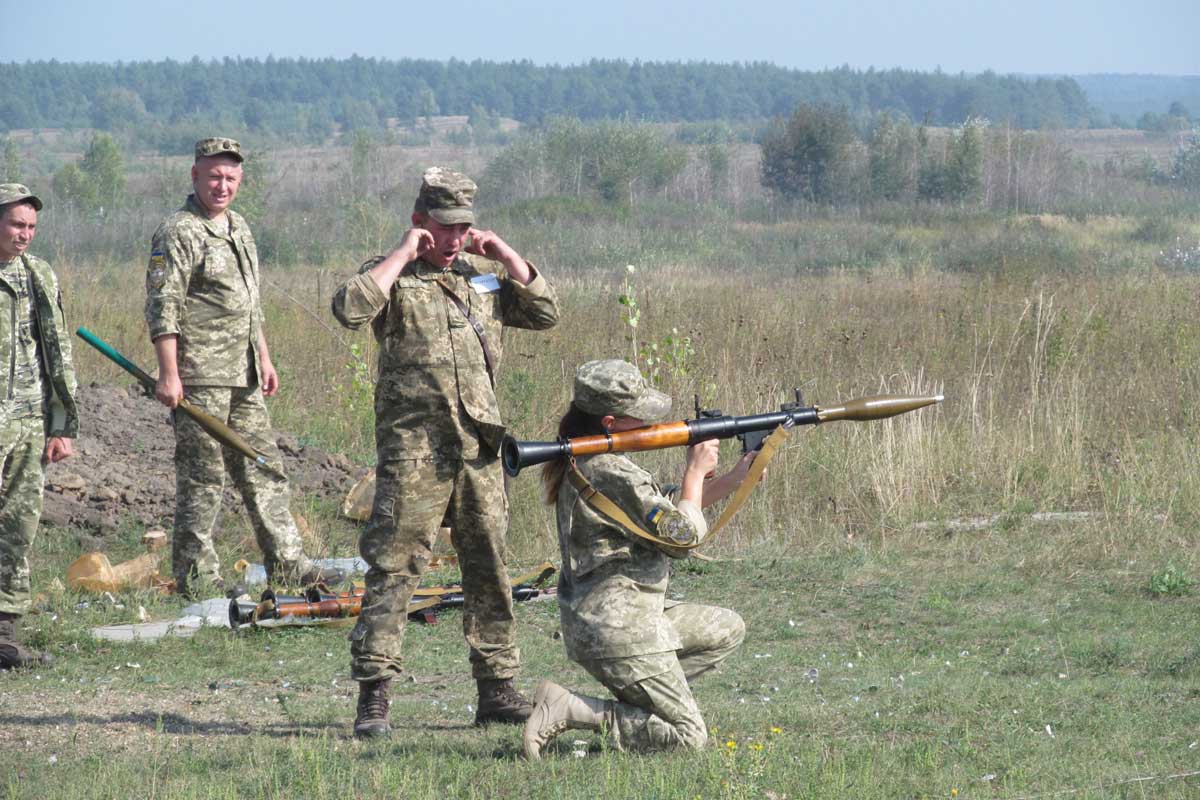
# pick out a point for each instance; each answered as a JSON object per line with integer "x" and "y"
{"x": 202, "y": 284}
{"x": 54, "y": 346}
{"x": 434, "y": 398}
{"x": 613, "y": 586}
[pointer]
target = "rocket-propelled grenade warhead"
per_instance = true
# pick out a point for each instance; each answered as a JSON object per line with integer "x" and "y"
{"x": 878, "y": 407}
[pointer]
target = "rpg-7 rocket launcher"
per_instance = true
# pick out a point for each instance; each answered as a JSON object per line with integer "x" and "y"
{"x": 318, "y": 603}
{"x": 210, "y": 424}
{"x": 710, "y": 424}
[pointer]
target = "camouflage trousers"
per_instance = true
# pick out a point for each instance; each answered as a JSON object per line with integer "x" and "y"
{"x": 413, "y": 500}
{"x": 22, "y": 442}
{"x": 658, "y": 711}
{"x": 200, "y": 466}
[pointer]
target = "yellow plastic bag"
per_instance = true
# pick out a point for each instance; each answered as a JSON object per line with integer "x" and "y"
{"x": 95, "y": 573}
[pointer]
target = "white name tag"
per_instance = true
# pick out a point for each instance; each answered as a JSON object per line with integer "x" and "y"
{"x": 485, "y": 284}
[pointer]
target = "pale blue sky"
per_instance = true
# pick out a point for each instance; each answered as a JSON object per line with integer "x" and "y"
{"x": 1029, "y": 36}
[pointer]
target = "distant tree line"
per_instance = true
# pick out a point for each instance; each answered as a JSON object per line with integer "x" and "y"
{"x": 161, "y": 104}
{"x": 1177, "y": 118}
{"x": 1139, "y": 100}
{"x": 818, "y": 155}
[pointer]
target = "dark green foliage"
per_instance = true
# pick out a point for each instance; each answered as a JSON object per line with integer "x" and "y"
{"x": 73, "y": 188}
{"x": 892, "y": 159}
{"x": 617, "y": 162}
{"x": 960, "y": 176}
{"x": 1186, "y": 170}
{"x": 104, "y": 165}
{"x": 302, "y": 98}
{"x": 1171, "y": 581}
{"x": 97, "y": 182}
{"x": 10, "y": 163}
{"x": 808, "y": 157}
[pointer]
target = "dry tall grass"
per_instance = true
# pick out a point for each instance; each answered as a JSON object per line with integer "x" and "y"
{"x": 1063, "y": 391}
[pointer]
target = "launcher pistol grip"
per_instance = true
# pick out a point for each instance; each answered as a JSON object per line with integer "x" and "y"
{"x": 752, "y": 441}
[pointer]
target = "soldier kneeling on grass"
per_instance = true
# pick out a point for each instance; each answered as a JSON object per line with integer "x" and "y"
{"x": 616, "y": 620}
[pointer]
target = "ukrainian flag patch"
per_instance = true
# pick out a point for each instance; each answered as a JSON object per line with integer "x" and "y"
{"x": 655, "y": 515}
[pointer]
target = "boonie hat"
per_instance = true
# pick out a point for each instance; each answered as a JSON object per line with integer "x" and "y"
{"x": 219, "y": 146}
{"x": 616, "y": 387}
{"x": 16, "y": 192}
{"x": 446, "y": 196}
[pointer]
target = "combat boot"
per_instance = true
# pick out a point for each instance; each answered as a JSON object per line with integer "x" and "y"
{"x": 13, "y": 655}
{"x": 556, "y": 710}
{"x": 371, "y": 717}
{"x": 500, "y": 702}
{"x": 192, "y": 586}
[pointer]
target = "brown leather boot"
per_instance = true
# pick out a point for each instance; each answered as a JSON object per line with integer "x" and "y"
{"x": 557, "y": 710}
{"x": 371, "y": 718}
{"x": 13, "y": 655}
{"x": 500, "y": 702}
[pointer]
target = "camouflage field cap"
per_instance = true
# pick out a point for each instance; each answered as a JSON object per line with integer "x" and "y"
{"x": 446, "y": 196}
{"x": 616, "y": 387}
{"x": 16, "y": 192}
{"x": 218, "y": 146}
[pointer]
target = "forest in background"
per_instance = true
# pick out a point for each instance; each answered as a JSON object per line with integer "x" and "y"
{"x": 158, "y": 105}
{"x": 1128, "y": 98}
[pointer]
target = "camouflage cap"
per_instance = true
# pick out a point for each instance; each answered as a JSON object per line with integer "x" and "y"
{"x": 616, "y": 387}
{"x": 218, "y": 146}
{"x": 16, "y": 192}
{"x": 446, "y": 196}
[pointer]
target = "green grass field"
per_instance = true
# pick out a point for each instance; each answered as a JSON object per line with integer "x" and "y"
{"x": 1021, "y": 660}
{"x": 917, "y": 625}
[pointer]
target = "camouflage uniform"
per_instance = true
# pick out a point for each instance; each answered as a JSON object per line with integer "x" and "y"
{"x": 38, "y": 402}
{"x": 438, "y": 433}
{"x": 202, "y": 285}
{"x": 617, "y": 623}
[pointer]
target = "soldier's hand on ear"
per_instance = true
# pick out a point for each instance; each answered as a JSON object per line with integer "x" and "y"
{"x": 489, "y": 245}
{"x": 416, "y": 243}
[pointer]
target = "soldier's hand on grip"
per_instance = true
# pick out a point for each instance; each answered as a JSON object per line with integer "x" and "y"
{"x": 169, "y": 390}
{"x": 703, "y": 456}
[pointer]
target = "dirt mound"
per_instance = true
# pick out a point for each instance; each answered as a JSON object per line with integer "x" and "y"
{"x": 123, "y": 468}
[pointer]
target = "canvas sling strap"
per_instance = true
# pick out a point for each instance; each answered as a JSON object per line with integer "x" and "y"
{"x": 597, "y": 500}
{"x": 476, "y": 326}
{"x": 594, "y": 498}
{"x": 742, "y": 493}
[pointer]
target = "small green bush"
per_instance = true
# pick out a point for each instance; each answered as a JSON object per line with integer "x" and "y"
{"x": 1170, "y": 582}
